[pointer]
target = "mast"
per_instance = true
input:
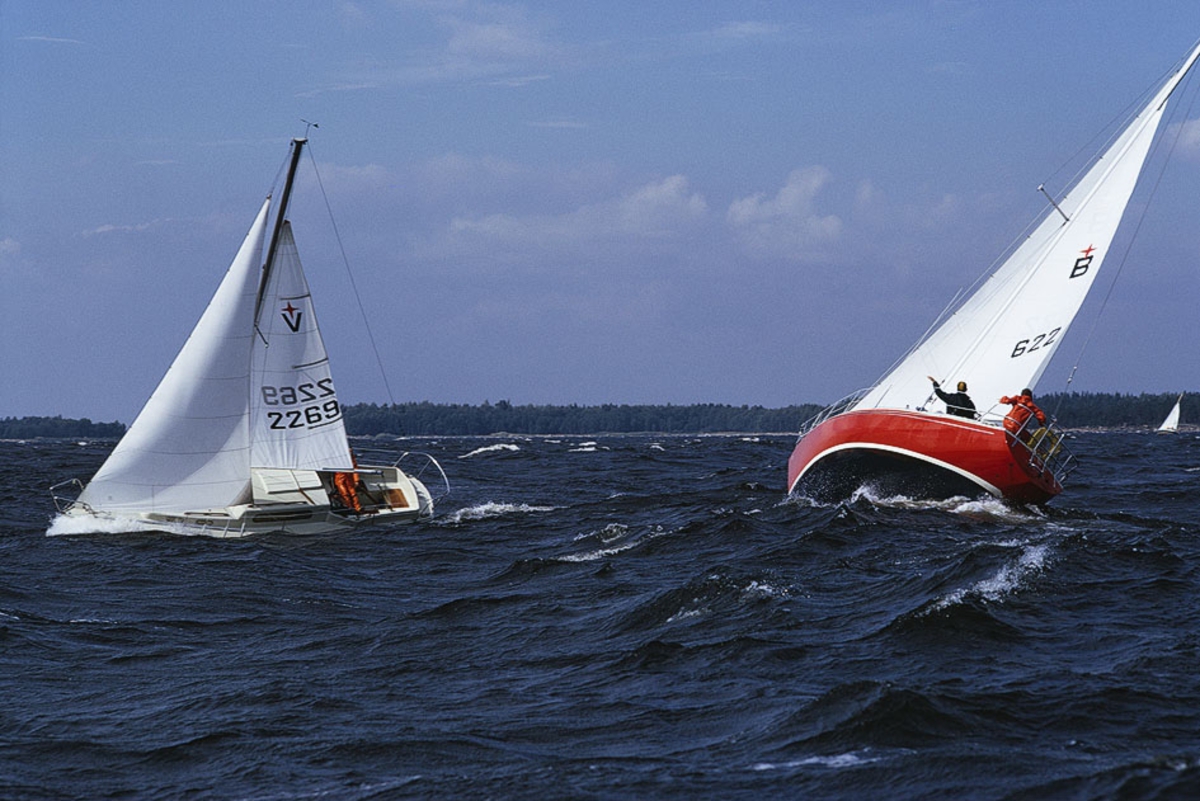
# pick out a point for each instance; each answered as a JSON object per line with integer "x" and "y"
{"x": 297, "y": 146}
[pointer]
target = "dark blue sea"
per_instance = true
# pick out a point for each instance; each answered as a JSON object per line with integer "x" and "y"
{"x": 617, "y": 617}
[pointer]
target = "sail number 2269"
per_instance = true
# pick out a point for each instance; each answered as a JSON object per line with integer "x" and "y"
{"x": 1035, "y": 343}
{"x": 306, "y": 405}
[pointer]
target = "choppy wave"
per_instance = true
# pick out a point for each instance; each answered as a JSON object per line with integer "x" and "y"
{"x": 1009, "y": 578}
{"x": 615, "y": 538}
{"x": 652, "y": 619}
{"x": 491, "y": 510}
{"x": 497, "y": 448}
{"x": 852, "y": 759}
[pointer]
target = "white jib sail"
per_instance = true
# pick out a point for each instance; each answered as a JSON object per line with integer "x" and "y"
{"x": 189, "y": 447}
{"x": 296, "y": 420}
{"x": 1004, "y": 335}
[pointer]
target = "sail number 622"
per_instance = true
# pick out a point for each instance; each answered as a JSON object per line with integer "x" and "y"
{"x": 1036, "y": 343}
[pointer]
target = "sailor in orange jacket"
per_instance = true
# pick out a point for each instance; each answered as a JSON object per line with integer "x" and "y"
{"x": 347, "y": 486}
{"x": 1022, "y": 407}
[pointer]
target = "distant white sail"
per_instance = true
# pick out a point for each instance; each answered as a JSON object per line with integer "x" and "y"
{"x": 189, "y": 448}
{"x": 1002, "y": 338}
{"x": 1171, "y": 424}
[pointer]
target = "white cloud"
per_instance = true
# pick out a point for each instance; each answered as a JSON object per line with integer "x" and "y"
{"x": 951, "y": 68}
{"x": 498, "y": 34}
{"x": 788, "y": 224}
{"x": 563, "y": 124}
{"x": 1189, "y": 138}
{"x": 49, "y": 39}
{"x": 12, "y": 264}
{"x": 658, "y": 210}
{"x": 517, "y": 81}
{"x": 368, "y": 177}
{"x": 868, "y": 195}
{"x": 745, "y": 31}
{"x": 124, "y": 229}
{"x": 453, "y": 173}
{"x": 10, "y": 251}
{"x": 493, "y": 44}
{"x": 725, "y": 37}
{"x": 360, "y": 86}
{"x": 352, "y": 15}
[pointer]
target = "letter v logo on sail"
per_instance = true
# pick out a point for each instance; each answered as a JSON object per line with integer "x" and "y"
{"x": 291, "y": 315}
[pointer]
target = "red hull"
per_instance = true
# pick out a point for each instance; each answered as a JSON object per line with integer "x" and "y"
{"x": 917, "y": 454}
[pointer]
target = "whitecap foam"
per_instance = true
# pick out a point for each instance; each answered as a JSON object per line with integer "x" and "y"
{"x": 500, "y": 446}
{"x": 985, "y": 508}
{"x": 1006, "y": 581}
{"x": 609, "y": 534}
{"x": 683, "y": 614}
{"x": 875, "y": 498}
{"x": 64, "y": 525}
{"x": 491, "y": 509}
{"x": 600, "y": 553}
{"x": 761, "y": 589}
{"x": 851, "y": 759}
{"x": 995, "y": 509}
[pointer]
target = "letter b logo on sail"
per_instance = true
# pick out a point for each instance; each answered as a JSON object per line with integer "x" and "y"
{"x": 1082, "y": 263}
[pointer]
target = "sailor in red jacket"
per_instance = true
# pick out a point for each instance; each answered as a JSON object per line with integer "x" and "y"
{"x": 1022, "y": 407}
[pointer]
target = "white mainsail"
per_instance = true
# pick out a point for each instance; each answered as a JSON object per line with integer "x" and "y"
{"x": 296, "y": 421}
{"x": 1002, "y": 338}
{"x": 189, "y": 447}
{"x": 1172, "y": 422}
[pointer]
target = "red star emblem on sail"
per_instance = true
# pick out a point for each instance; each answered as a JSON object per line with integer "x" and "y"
{"x": 291, "y": 315}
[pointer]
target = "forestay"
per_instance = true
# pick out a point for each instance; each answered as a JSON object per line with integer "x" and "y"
{"x": 1001, "y": 339}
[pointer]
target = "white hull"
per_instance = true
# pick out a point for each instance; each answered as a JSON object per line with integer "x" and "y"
{"x": 285, "y": 501}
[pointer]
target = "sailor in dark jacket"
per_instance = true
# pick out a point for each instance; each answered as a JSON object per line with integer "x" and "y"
{"x": 958, "y": 403}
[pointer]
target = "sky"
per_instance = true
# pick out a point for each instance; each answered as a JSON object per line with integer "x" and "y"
{"x": 554, "y": 203}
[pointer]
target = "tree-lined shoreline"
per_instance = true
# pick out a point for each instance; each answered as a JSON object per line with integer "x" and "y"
{"x": 424, "y": 418}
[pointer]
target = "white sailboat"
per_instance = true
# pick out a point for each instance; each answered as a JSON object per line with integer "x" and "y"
{"x": 897, "y": 436}
{"x": 244, "y": 433}
{"x": 1171, "y": 424}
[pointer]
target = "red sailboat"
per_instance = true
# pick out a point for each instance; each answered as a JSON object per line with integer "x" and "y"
{"x": 896, "y": 437}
